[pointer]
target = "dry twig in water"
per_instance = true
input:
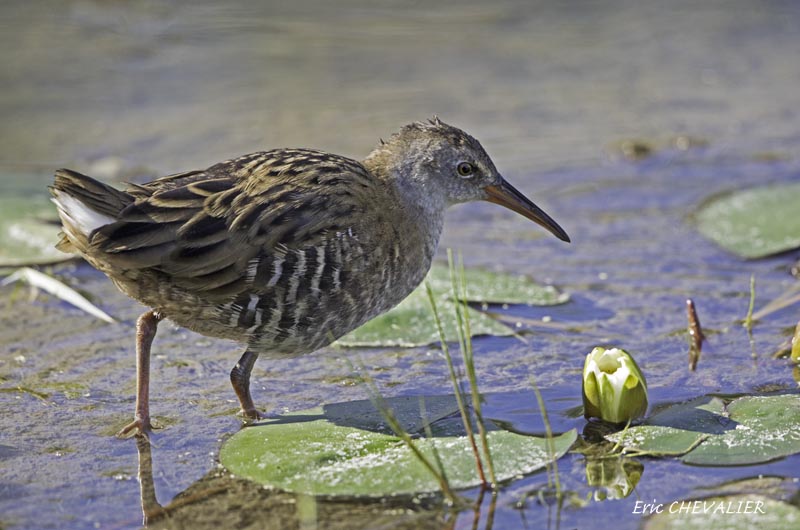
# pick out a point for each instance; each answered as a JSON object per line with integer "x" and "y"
{"x": 695, "y": 334}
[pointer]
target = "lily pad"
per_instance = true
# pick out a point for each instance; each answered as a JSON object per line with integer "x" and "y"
{"x": 767, "y": 427}
{"x": 655, "y": 440}
{"x": 675, "y": 430}
{"x": 753, "y": 223}
{"x": 411, "y": 323}
{"x": 751, "y": 430}
{"x": 496, "y": 288}
{"x": 28, "y": 232}
{"x": 732, "y": 512}
{"x": 345, "y": 451}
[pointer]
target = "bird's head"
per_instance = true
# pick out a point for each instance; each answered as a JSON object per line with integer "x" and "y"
{"x": 444, "y": 164}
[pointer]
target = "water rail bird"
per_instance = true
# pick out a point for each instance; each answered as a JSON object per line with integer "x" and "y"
{"x": 283, "y": 250}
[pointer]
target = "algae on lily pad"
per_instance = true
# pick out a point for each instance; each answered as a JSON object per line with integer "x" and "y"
{"x": 411, "y": 323}
{"x": 750, "y": 430}
{"x": 322, "y": 452}
{"x": 675, "y": 430}
{"x": 755, "y": 222}
{"x": 767, "y": 427}
{"x": 27, "y": 234}
{"x": 495, "y": 287}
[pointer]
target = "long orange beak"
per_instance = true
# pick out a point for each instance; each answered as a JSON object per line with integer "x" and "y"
{"x": 507, "y": 195}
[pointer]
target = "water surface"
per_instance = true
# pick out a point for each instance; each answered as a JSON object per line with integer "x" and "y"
{"x": 128, "y": 89}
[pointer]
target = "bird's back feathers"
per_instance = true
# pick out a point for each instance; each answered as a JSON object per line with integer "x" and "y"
{"x": 202, "y": 228}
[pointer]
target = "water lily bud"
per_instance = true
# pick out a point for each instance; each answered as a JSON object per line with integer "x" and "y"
{"x": 614, "y": 389}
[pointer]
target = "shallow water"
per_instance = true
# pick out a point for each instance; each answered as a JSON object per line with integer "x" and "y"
{"x": 128, "y": 89}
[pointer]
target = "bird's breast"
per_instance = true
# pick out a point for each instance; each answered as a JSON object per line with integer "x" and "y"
{"x": 303, "y": 299}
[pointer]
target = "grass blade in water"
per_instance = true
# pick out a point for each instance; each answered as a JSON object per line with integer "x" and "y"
{"x": 58, "y": 289}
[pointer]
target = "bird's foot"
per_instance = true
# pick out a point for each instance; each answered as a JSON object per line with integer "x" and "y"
{"x": 140, "y": 426}
{"x": 250, "y": 415}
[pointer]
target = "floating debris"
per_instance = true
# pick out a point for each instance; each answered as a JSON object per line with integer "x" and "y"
{"x": 684, "y": 142}
{"x": 635, "y": 149}
{"x": 695, "y": 333}
{"x": 39, "y": 280}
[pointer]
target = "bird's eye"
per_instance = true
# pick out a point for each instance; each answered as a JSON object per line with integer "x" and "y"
{"x": 465, "y": 169}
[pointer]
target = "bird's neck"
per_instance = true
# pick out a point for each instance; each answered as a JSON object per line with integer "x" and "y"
{"x": 415, "y": 192}
{"x": 418, "y": 206}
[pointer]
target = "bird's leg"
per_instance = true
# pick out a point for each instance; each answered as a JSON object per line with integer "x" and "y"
{"x": 146, "y": 327}
{"x": 240, "y": 379}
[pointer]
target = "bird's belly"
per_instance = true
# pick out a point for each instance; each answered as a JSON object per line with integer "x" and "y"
{"x": 284, "y": 320}
{"x": 324, "y": 319}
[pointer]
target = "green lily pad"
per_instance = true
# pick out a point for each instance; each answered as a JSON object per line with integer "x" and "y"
{"x": 767, "y": 427}
{"x": 655, "y": 440}
{"x": 411, "y": 323}
{"x": 753, "y": 223}
{"x": 28, "y": 232}
{"x": 344, "y": 450}
{"x": 675, "y": 430}
{"x": 732, "y": 512}
{"x": 496, "y": 288}
{"x": 751, "y": 430}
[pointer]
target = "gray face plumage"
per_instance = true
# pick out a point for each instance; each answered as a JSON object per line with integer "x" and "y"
{"x": 440, "y": 159}
{"x": 434, "y": 165}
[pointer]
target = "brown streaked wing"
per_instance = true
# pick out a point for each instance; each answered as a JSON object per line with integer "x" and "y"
{"x": 201, "y": 228}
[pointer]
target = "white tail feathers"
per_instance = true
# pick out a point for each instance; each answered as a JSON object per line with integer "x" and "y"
{"x": 75, "y": 215}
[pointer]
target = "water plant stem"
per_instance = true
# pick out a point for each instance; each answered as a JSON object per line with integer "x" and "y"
{"x": 426, "y": 425}
{"x": 401, "y": 433}
{"x": 789, "y": 297}
{"x": 459, "y": 286}
{"x": 748, "y": 320}
{"x": 456, "y": 386}
{"x": 551, "y": 448}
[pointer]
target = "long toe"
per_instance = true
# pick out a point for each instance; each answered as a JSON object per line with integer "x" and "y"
{"x": 250, "y": 416}
{"x": 138, "y": 427}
